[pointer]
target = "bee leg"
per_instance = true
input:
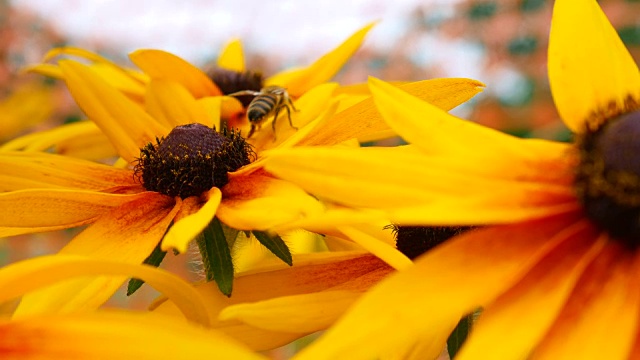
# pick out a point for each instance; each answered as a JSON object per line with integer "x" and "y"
{"x": 273, "y": 124}
{"x": 253, "y": 129}
{"x": 290, "y": 102}
{"x": 289, "y": 116}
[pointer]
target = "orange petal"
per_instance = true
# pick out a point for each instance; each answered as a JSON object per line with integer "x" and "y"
{"x": 232, "y": 56}
{"x": 127, "y": 233}
{"x": 114, "y": 335}
{"x": 188, "y": 227}
{"x": 258, "y": 202}
{"x": 447, "y": 282}
{"x": 363, "y": 119}
{"x": 324, "y": 68}
{"x": 607, "y": 293}
{"x": 162, "y": 65}
{"x": 310, "y": 273}
{"x": 24, "y": 170}
{"x": 124, "y": 122}
{"x": 512, "y": 326}
{"x": 29, "y": 211}
{"x": 306, "y": 313}
{"x": 589, "y": 66}
{"x": 37, "y": 273}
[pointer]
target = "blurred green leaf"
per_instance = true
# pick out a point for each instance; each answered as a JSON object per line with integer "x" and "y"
{"x": 482, "y": 10}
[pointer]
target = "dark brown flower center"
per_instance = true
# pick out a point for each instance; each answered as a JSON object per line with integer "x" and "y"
{"x": 608, "y": 178}
{"x": 230, "y": 81}
{"x": 414, "y": 241}
{"x": 191, "y": 160}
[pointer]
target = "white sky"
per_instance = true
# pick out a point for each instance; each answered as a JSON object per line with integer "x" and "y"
{"x": 196, "y": 29}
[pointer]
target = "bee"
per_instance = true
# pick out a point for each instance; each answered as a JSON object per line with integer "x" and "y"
{"x": 268, "y": 101}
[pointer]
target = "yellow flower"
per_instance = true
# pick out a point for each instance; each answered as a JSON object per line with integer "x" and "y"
{"x": 48, "y": 192}
{"x": 555, "y": 266}
{"x": 156, "y": 84}
{"x": 108, "y": 334}
{"x": 27, "y": 105}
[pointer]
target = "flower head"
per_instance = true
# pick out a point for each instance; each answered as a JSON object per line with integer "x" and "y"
{"x": 183, "y": 186}
{"x": 554, "y": 264}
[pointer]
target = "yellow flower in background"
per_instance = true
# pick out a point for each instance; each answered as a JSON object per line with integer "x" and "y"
{"x": 108, "y": 334}
{"x": 555, "y": 265}
{"x": 24, "y": 107}
{"x": 129, "y": 210}
{"x": 153, "y": 86}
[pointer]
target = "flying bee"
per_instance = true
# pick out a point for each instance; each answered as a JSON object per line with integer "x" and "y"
{"x": 268, "y": 101}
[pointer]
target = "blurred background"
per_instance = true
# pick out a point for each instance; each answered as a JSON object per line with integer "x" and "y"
{"x": 501, "y": 43}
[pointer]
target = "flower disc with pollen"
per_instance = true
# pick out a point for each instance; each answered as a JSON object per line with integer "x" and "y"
{"x": 191, "y": 160}
{"x": 608, "y": 180}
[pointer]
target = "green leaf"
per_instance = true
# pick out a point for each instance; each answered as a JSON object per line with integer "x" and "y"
{"x": 156, "y": 257}
{"x": 216, "y": 256}
{"x": 230, "y": 234}
{"x": 276, "y": 245}
{"x": 459, "y": 335}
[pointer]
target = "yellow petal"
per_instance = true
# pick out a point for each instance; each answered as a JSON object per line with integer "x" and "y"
{"x": 128, "y": 234}
{"x": 393, "y": 179}
{"x": 45, "y": 69}
{"x": 115, "y": 335}
{"x": 26, "y": 276}
{"x": 383, "y": 250}
{"x": 28, "y": 211}
{"x": 268, "y": 142}
{"x": 589, "y": 66}
{"x": 173, "y": 105}
{"x": 305, "y": 313}
{"x": 324, "y": 68}
{"x": 81, "y": 139}
{"x": 79, "y": 52}
{"x": 512, "y": 326}
{"x": 309, "y": 273}
{"x": 258, "y": 202}
{"x": 447, "y": 282}
{"x": 431, "y": 128}
{"x": 310, "y": 105}
{"x": 129, "y": 81}
{"x": 162, "y": 65}
{"x": 606, "y": 293}
{"x": 364, "y": 121}
{"x": 186, "y": 229}
{"x": 124, "y": 122}
{"x": 28, "y": 170}
{"x": 232, "y": 56}
{"x": 213, "y": 107}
